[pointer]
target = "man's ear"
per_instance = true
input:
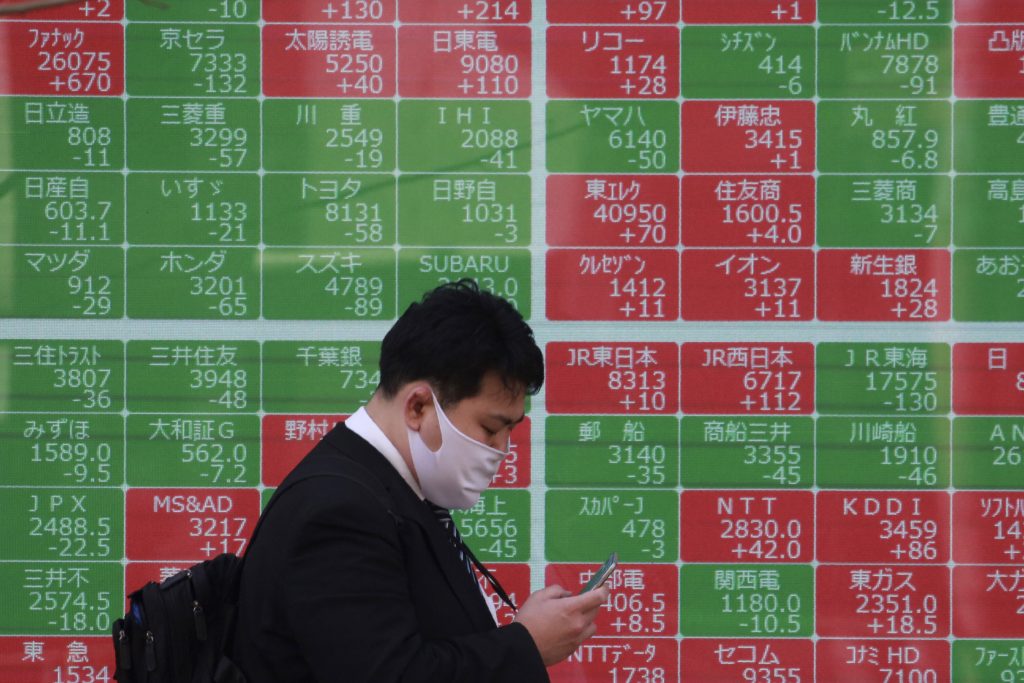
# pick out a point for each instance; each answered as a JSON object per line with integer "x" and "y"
{"x": 418, "y": 401}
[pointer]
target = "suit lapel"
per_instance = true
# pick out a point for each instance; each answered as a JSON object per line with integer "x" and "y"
{"x": 409, "y": 507}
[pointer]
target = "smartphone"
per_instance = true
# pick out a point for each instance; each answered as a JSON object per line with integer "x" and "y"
{"x": 602, "y": 574}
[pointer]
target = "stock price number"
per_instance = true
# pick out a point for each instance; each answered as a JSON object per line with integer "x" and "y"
{"x": 648, "y": 387}
{"x": 78, "y": 221}
{"x": 899, "y": 615}
{"x": 228, "y": 218}
{"x": 220, "y": 465}
{"x": 784, "y": 458}
{"x": 649, "y": 532}
{"x": 922, "y": 461}
{"x": 222, "y": 534}
{"x": 229, "y": 144}
{"x": 631, "y": 615}
{"x": 230, "y": 292}
{"x": 74, "y": 536}
{"x": 222, "y": 73}
{"x": 81, "y": 673}
{"x": 86, "y": 462}
{"x": 94, "y": 292}
{"x": 763, "y": 539}
{"x": 766, "y": 613}
{"x": 366, "y": 144}
{"x": 91, "y": 383}
{"x": 915, "y": 391}
{"x": 364, "y": 295}
{"x": 75, "y": 611}
{"x": 646, "y": 462}
{"x": 648, "y": 145}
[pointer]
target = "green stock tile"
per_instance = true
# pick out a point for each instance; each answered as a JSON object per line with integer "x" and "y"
{"x": 62, "y": 282}
{"x": 987, "y": 661}
{"x": 193, "y": 209}
{"x": 988, "y": 452}
{"x": 204, "y": 134}
{"x": 62, "y": 375}
{"x": 748, "y": 452}
{"x": 464, "y": 210}
{"x": 988, "y": 136}
{"x": 989, "y": 211}
{"x": 497, "y": 528}
{"x": 62, "y": 450}
{"x": 61, "y": 598}
{"x": 351, "y": 210}
{"x": 898, "y": 62}
{"x": 193, "y": 451}
{"x": 883, "y": 211}
{"x": 895, "y": 378}
{"x": 197, "y": 60}
{"x": 612, "y": 136}
{"x": 884, "y": 137}
{"x": 459, "y": 136}
{"x": 68, "y": 208}
{"x": 83, "y": 133}
{"x": 746, "y": 600}
{"x": 988, "y": 285}
{"x": 319, "y": 376}
{"x": 612, "y": 451}
{"x": 329, "y": 135}
{"x": 883, "y": 453}
{"x": 739, "y": 62}
{"x": 62, "y": 523}
{"x": 884, "y": 11}
{"x": 505, "y": 272}
{"x": 584, "y": 525}
{"x": 329, "y": 284}
{"x": 193, "y": 376}
{"x": 194, "y": 282}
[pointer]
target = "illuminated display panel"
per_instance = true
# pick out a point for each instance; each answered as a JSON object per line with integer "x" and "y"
{"x": 774, "y": 252}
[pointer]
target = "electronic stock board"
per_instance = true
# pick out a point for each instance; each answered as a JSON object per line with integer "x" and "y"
{"x": 773, "y": 249}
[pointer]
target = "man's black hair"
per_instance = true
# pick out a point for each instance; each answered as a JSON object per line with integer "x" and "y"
{"x": 453, "y": 337}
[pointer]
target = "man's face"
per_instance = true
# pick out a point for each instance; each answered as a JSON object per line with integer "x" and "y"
{"x": 487, "y": 417}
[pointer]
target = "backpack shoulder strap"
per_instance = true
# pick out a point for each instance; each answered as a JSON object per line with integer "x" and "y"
{"x": 376, "y": 488}
{"x": 379, "y": 492}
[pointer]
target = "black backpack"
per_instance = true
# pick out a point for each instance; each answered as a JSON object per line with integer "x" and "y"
{"x": 180, "y": 630}
{"x": 176, "y": 631}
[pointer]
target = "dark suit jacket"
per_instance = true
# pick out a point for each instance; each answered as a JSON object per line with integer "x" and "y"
{"x": 335, "y": 588}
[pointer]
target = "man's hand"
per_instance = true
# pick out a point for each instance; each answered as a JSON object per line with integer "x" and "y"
{"x": 559, "y": 621}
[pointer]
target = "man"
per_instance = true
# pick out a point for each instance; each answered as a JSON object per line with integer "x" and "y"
{"x": 355, "y": 573}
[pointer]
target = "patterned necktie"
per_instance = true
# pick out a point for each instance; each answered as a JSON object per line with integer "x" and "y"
{"x": 466, "y": 555}
{"x": 445, "y": 518}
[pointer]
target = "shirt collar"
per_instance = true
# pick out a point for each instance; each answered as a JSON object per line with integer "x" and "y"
{"x": 363, "y": 425}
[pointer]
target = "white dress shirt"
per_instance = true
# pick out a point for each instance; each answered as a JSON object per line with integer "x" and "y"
{"x": 363, "y": 425}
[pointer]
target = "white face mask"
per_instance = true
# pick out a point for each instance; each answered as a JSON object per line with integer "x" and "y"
{"x": 457, "y": 473}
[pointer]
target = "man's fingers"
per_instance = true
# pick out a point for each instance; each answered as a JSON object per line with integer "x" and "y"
{"x": 553, "y": 591}
{"x": 595, "y": 598}
{"x": 558, "y": 592}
